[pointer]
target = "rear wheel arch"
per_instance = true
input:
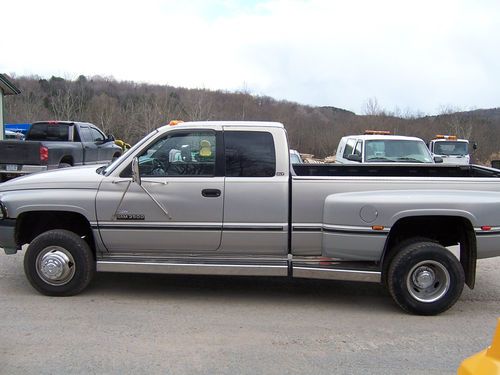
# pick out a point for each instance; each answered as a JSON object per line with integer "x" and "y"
{"x": 444, "y": 230}
{"x": 66, "y": 160}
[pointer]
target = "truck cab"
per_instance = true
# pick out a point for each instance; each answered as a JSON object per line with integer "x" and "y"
{"x": 381, "y": 147}
{"x": 451, "y": 149}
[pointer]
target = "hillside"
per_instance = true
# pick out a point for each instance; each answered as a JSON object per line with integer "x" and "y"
{"x": 130, "y": 110}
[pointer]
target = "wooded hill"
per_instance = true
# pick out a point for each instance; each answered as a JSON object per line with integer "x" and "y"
{"x": 129, "y": 110}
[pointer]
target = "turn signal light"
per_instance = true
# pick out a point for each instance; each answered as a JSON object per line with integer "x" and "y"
{"x": 378, "y": 227}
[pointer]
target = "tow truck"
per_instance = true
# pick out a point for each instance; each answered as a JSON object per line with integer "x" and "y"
{"x": 380, "y": 146}
{"x": 451, "y": 149}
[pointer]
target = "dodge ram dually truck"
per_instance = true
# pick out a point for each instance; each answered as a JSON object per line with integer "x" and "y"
{"x": 221, "y": 198}
{"x": 56, "y": 144}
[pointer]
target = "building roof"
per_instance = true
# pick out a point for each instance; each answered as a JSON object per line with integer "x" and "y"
{"x": 7, "y": 86}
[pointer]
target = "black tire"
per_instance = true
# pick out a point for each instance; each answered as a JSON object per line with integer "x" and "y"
{"x": 45, "y": 255}
{"x": 396, "y": 250}
{"x": 64, "y": 165}
{"x": 425, "y": 278}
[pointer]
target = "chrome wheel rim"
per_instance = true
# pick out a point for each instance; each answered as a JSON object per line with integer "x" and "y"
{"x": 428, "y": 281}
{"x": 55, "y": 265}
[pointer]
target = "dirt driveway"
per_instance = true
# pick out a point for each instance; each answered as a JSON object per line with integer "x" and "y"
{"x": 226, "y": 325}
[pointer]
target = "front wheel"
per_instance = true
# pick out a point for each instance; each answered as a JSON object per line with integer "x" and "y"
{"x": 425, "y": 278}
{"x": 59, "y": 263}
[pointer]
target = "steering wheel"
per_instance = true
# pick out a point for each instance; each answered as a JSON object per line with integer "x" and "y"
{"x": 158, "y": 168}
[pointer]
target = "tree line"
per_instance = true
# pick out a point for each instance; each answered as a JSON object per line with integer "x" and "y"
{"x": 129, "y": 110}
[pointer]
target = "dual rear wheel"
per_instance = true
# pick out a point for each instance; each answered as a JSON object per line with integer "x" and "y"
{"x": 425, "y": 278}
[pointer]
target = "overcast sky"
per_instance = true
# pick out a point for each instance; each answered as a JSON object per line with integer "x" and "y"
{"x": 419, "y": 55}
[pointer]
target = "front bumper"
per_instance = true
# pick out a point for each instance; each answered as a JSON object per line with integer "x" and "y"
{"x": 7, "y": 236}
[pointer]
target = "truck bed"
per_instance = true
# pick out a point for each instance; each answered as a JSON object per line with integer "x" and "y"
{"x": 406, "y": 170}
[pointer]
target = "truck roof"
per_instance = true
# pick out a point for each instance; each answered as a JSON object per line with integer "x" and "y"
{"x": 203, "y": 124}
{"x": 449, "y": 140}
{"x": 381, "y": 137}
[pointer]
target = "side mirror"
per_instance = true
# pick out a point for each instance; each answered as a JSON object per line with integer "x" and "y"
{"x": 136, "y": 175}
{"x": 111, "y": 138}
{"x": 354, "y": 157}
{"x": 438, "y": 159}
{"x": 474, "y": 146}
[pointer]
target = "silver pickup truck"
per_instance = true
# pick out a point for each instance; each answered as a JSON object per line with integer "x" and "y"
{"x": 221, "y": 198}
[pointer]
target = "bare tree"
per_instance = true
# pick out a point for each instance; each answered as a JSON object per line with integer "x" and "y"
{"x": 29, "y": 105}
{"x": 198, "y": 105}
{"x": 372, "y": 107}
{"x": 67, "y": 103}
{"x": 459, "y": 123}
{"x": 103, "y": 112}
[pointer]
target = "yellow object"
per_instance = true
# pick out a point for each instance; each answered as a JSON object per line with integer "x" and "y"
{"x": 125, "y": 146}
{"x": 205, "y": 149}
{"x": 486, "y": 362}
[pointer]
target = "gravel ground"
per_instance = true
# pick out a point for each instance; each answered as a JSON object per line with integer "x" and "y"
{"x": 227, "y": 325}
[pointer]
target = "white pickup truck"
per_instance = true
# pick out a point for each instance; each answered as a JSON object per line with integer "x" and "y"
{"x": 451, "y": 149}
{"x": 221, "y": 198}
{"x": 380, "y": 147}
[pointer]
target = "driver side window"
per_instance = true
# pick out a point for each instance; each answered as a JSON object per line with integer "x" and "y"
{"x": 180, "y": 154}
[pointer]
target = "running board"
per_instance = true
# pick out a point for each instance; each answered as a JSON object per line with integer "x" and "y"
{"x": 193, "y": 268}
{"x": 337, "y": 274}
{"x": 239, "y": 270}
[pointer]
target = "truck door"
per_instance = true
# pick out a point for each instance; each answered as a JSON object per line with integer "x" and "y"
{"x": 104, "y": 153}
{"x": 256, "y": 192}
{"x": 177, "y": 208}
{"x": 90, "y": 149}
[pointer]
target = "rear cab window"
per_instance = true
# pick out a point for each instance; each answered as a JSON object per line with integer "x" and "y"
{"x": 249, "y": 154}
{"x": 49, "y": 132}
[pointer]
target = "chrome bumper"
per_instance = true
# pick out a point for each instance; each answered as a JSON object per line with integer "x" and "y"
{"x": 23, "y": 169}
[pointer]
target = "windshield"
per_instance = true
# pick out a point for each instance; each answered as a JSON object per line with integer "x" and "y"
{"x": 396, "y": 150}
{"x": 451, "y": 148}
{"x": 118, "y": 161}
